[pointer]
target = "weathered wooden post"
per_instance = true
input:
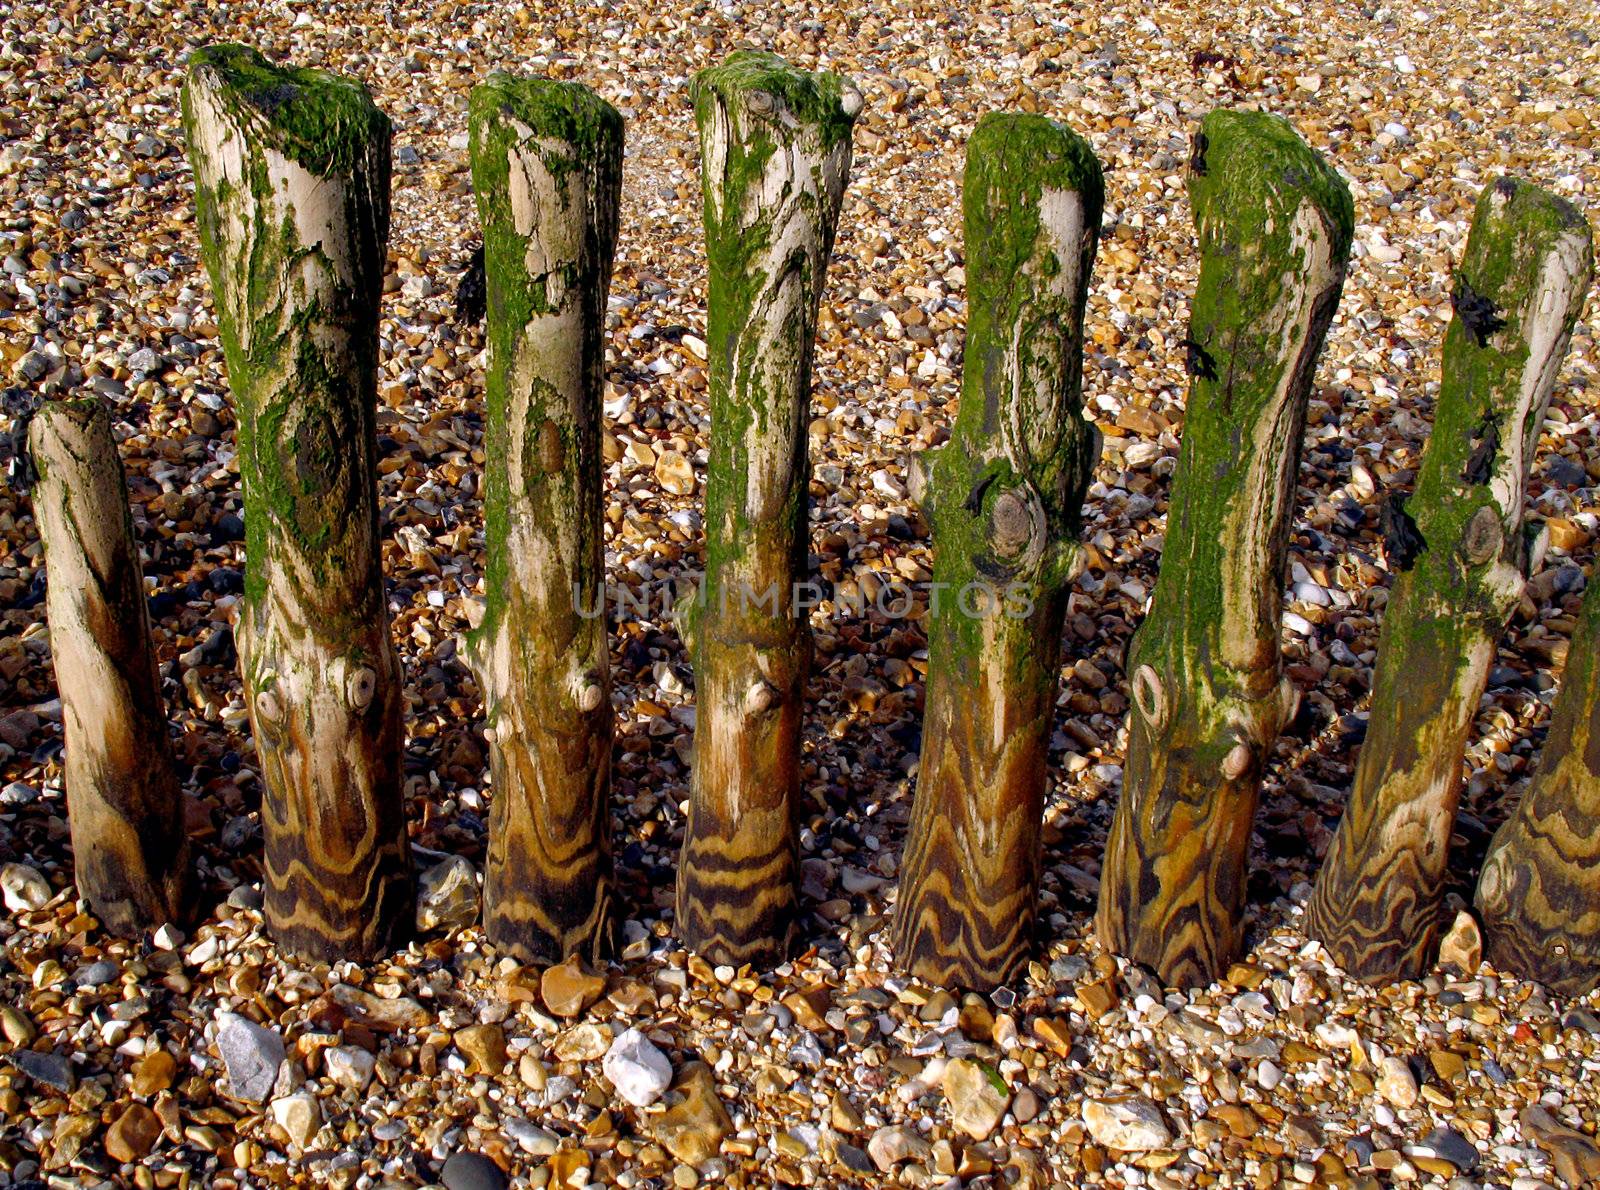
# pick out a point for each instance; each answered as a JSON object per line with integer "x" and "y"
{"x": 547, "y": 173}
{"x": 1539, "y": 893}
{"x": 292, "y": 192}
{"x": 129, "y": 846}
{"x": 1518, "y": 292}
{"x": 1274, "y": 223}
{"x": 1005, "y": 497}
{"x": 775, "y": 155}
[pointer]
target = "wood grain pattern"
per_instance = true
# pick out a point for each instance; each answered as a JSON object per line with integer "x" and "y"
{"x": 1274, "y": 224}
{"x": 547, "y": 172}
{"x": 775, "y": 156}
{"x": 1519, "y": 289}
{"x": 292, "y": 195}
{"x": 1539, "y": 893}
{"x": 1005, "y": 497}
{"x": 124, "y": 806}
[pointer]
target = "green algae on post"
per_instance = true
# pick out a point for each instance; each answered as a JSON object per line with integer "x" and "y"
{"x": 1208, "y": 698}
{"x": 292, "y": 201}
{"x": 1517, "y": 294}
{"x": 1005, "y": 498}
{"x": 547, "y": 174}
{"x": 775, "y": 157}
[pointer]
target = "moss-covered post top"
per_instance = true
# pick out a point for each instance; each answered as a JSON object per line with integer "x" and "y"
{"x": 547, "y": 108}
{"x": 1020, "y": 161}
{"x": 318, "y": 120}
{"x": 1517, "y": 295}
{"x": 761, "y": 84}
{"x": 1500, "y": 265}
{"x": 1032, "y": 198}
{"x": 1518, "y": 291}
{"x": 265, "y": 142}
{"x": 546, "y": 163}
{"x": 1249, "y": 176}
{"x": 770, "y": 104}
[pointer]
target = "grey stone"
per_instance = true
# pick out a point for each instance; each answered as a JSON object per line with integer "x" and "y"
{"x": 94, "y": 975}
{"x": 472, "y": 1171}
{"x": 1582, "y": 1018}
{"x": 53, "y": 1070}
{"x": 1069, "y": 968}
{"x": 1450, "y": 1146}
{"x": 252, "y": 1054}
{"x": 18, "y": 793}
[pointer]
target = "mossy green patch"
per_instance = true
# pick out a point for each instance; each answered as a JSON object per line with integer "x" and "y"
{"x": 319, "y": 120}
{"x": 277, "y": 297}
{"x": 813, "y": 99}
{"x": 1019, "y": 324}
{"x": 772, "y": 107}
{"x": 573, "y": 132}
{"x": 1251, "y": 184}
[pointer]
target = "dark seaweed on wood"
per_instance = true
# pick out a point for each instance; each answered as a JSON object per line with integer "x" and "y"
{"x": 1401, "y": 540}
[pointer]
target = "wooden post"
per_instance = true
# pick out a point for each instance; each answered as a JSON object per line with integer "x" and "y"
{"x": 775, "y": 154}
{"x": 1005, "y": 497}
{"x": 292, "y": 192}
{"x": 547, "y": 173}
{"x": 1274, "y": 223}
{"x": 1539, "y": 893}
{"x": 1518, "y": 292}
{"x": 129, "y": 845}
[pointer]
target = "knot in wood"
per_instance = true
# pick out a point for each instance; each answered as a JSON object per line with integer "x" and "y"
{"x": 268, "y": 709}
{"x": 760, "y": 103}
{"x": 1016, "y": 526}
{"x": 360, "y": 686}
{"x": 1149, "y": 697}
{"x": 1236, "y": 762}
{"x": 1483, "y": 537}
{"x": 760, "y": 697}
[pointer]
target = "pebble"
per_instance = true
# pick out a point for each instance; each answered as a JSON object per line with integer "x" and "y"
{"x": 569, "y": 988}
{"x": 1461, "y": 946}
{"x": 1396, "y": 1083}
{"x": 1128, "y": 1125}
{"x": 977, "y": 1095}
{"x": 531, "y": 1139}
{"x": 472, "y": 1171}
{"x": 637, "y": 1069}
{"x": 51, "y": 1070}
{"x": 18, "y": 793}
{"x": 95, "y": 975}
{"x": 693, "y": 1128}
{"x": 15, "y": 1026}
{"x": 484, "y": 1046}
{"x": 23, "y": 888}
{"x": 674, "y": 473}
{"x": 300, "y": 1115}
{"x": 1451, "y": 1146}
{"x": 251, "y": 1053}
{"x": 891, "y": 1145}
{"x": 447, "y": 895}
{"x": 350, "y": 1066}
{"x": 133, "y": 1134}
{"x": 584, "y": 1042}
{"x": 153, "y": 1073}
